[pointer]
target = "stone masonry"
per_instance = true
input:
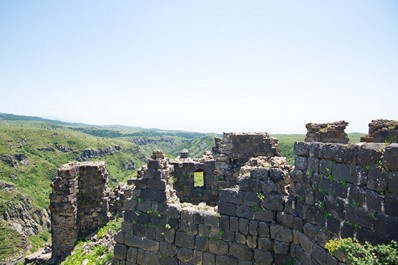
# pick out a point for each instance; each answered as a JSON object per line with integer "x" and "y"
{"x": 327, "y": 132}
{"x": 382, "y": 131}
{"x": 78, "y": 204}
{"x": 336, "y": 190}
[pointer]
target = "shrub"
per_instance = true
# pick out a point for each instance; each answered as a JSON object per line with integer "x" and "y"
{"x": 364, "y": 254}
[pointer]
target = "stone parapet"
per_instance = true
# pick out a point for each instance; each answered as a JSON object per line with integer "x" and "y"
{"x": 327, "y": 132}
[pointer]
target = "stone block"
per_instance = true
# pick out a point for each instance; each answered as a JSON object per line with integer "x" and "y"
{"x": 377, "y": 179}
{"x": 251, "y": 241}
{"x": 276, "y": 175}
{"x": 342, "y": 172}
{"x": 263, "y": 229}
{"x": 253, "y": 227}
{"x": 357, "y": 196}
{"x": 240, "y": 238}
{"x": 224, "y": 222}
{"x": 197, "y": 257}
{"x": 319, "y": 254}
{"x": 259, "y": 173}
{"x": 303, "y": 256}
{"x": 156, "y": 184}
{"x": 285, "y": 219}
{"x": 247, "y": 183}
{"x": 184, "y": 255}
{"x": 268, "y": 187}
{"x": 351, "y": 154}
{"x": 218, "y": 247}
{"x": 241, "y": 252}
{"x": 245, "y": 212}
{"x": 227, "y": 208}
{"x": 274, "y": 202}
{"x": 234, "y": 224}
{"x": 243, "y": 226}
{"x": 132, "y": 255}
{"x": 231, "y": 196}
{"x": 120, "y": 251}
{"x": 390, "y": 158}
{"x": 226, "y": 260}
{"x": 201, "y": 243}
{"x": 333, "y": 225}
{"x": 316, "y": 150}
{"x": 301, "y": 163}
{"x": 359, "y": 175}
{"x": 311, "y": 230}
{"x": 305, "y": 242}
{"x": 251, "y": 199}
{"x": 334, "y": 206}
{"x": 264, "y": 243}
{"x": 301, "y": 149}
{"x": 167, "y": 249}
{"x": 281, "y": 233}
{"x": 169, "y": 235}
{"x": 184, "y": 240}
{"x": 393, "y": 182}
{"x": 334, "y": 152}
{"x": 263, "y": 257}
{"x": 370, "y": 153}
{"x": 265, "y": 215}
{"x": 228, "y": 236}
{"x": 391, "y": 204}
{"x": 281, "y": 248}
{"x": 209, "y": 258}
{"x": 211, "y": 220}
{"x": 313, "y": 164}
{"x": 119, "y": 237}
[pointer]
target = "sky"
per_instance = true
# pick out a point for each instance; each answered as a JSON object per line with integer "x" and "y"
{"x": 206, "y": 66}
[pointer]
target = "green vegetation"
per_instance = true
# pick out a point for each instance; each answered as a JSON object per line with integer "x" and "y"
{"x": 98, "y": 254}
{"x": 364, "y": 254}
{"x": 198, "y": 179}
{"x": 12, "y": 243}
{"x": 286, "y": 144}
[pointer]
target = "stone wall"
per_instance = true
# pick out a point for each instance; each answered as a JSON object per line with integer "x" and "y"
{"x": 336, "y": 190}
{"x": 327, "y": 132}
{"x": 157, "y": 229}
{"x": 343, "y": 191}
{"x": 78, "y": 204}
{"x": 184, "y": 170}
{"x": 235, "y": 149}
{"x": 382, "y": 131}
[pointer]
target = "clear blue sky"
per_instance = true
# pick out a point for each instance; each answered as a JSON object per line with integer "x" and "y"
{"x": 208, "y": 66}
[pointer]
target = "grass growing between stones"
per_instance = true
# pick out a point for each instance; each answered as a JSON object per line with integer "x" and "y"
{"x": 95, "y": 253}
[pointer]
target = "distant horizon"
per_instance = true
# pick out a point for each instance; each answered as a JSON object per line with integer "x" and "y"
{"x": 55, "y": 118}
{"x": 203, "y": 66}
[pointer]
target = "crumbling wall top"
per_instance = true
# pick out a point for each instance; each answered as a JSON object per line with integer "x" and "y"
{"x": 327, "y": 132}
{"x": 381, "y": 131}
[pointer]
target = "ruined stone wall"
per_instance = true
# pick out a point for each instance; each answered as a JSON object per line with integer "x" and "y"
{"x": 243, "y": 230}
{"x": 235, "y": 149}
{"x": 63, "y": 207}
{"x": 382, "y": 131}
{"x": 327, "y": 132}
{"x": 184, "y": 181}
{"x": 344, "y": 191}
{"x": 78, "y": 204}
{"x": 336, "y": 190}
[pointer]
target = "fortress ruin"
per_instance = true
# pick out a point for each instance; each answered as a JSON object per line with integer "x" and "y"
{"x": 253, "y": 207}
